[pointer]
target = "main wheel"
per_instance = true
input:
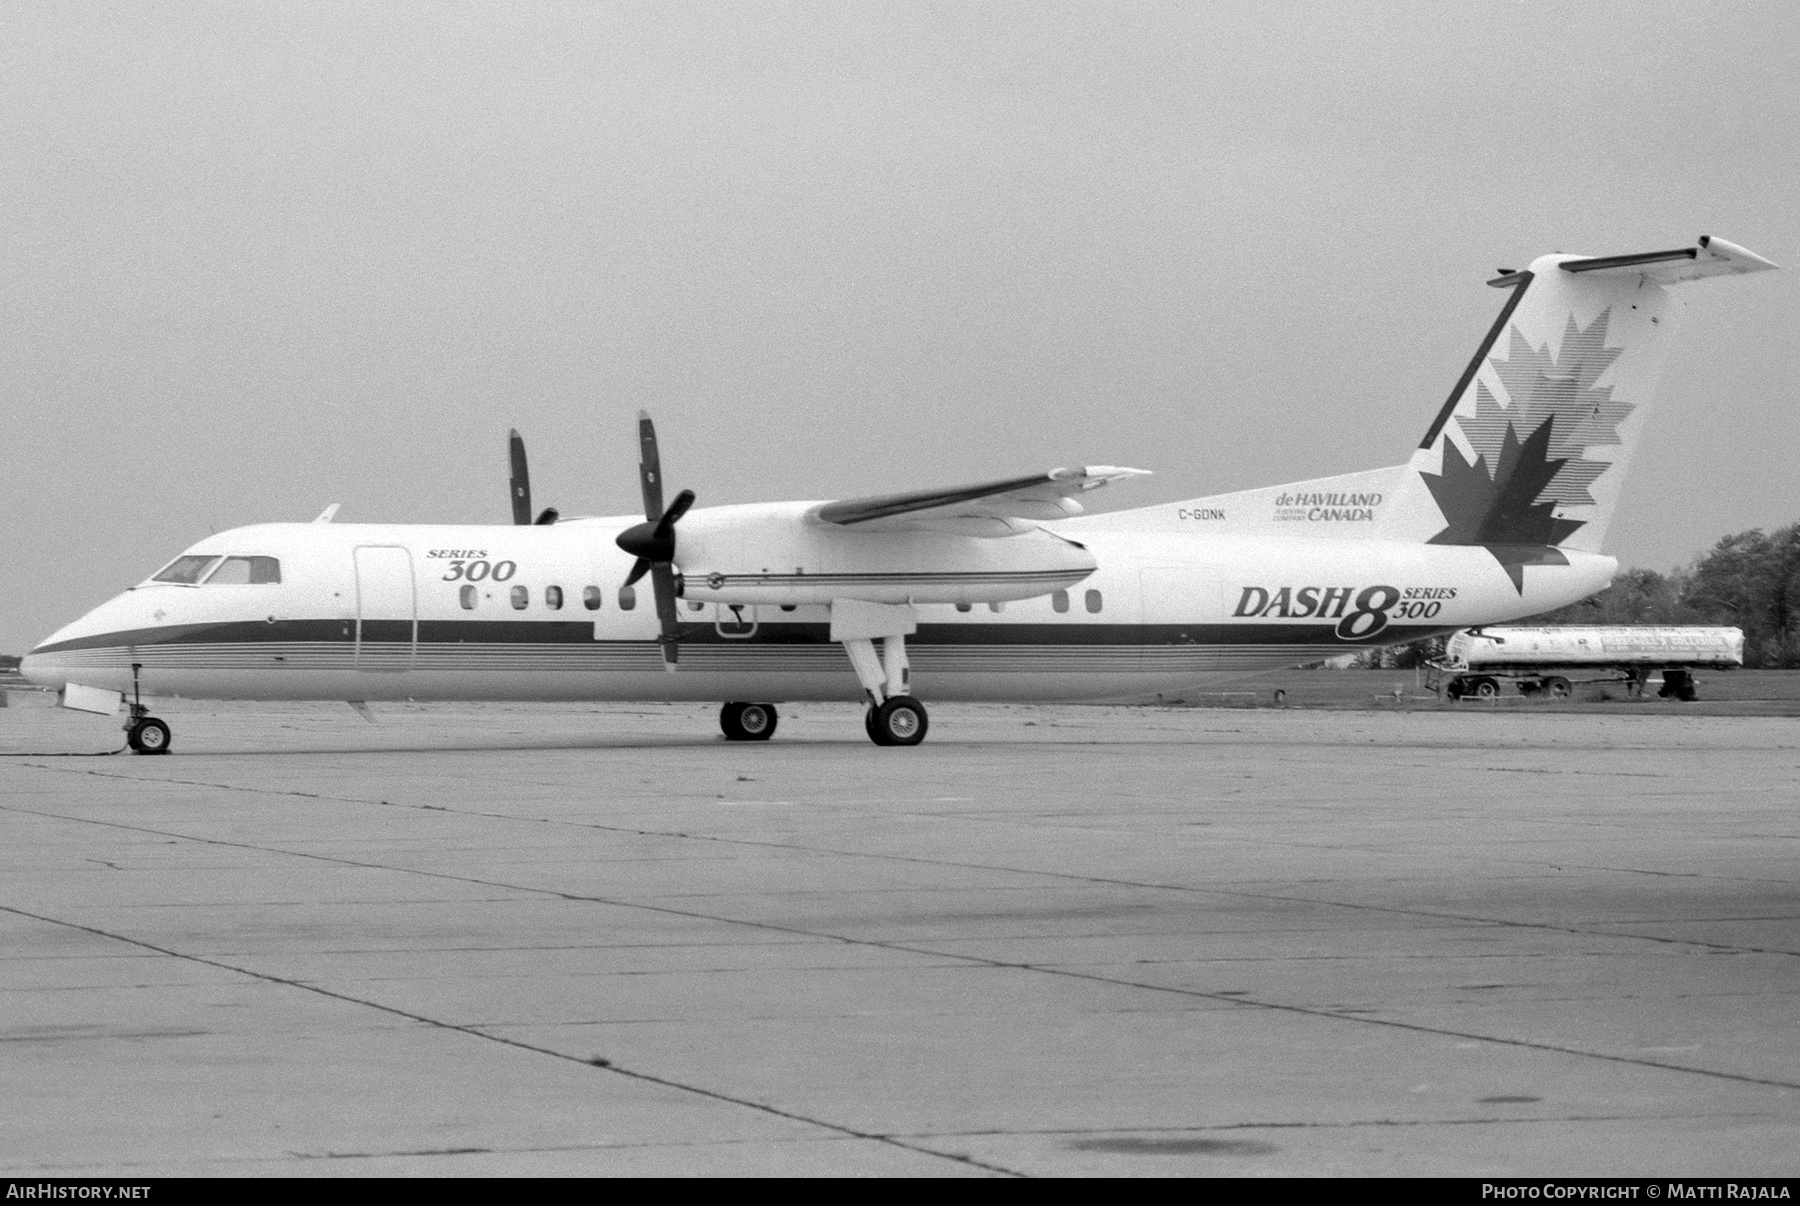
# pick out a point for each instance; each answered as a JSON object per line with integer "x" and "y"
{"x": 149, "y": 736}
{"x": 899, "y": 721}
{"x": 1557, "y": 687}
{"x": 748, "y": 721}
{"x": 1484, "y": 688}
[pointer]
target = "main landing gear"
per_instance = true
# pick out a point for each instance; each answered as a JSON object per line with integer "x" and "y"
{"x": 144, "y": 733}
{"x": 894, "y": 716}
{"x": 899, "y": 720}
{"x": 748, "y": 721}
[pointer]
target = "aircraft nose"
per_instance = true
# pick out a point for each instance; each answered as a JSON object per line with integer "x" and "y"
{"x": 60, "y": 654}
{"x": 41, "y": 670}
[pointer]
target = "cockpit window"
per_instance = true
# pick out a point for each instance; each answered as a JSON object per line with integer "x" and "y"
{"x": 246, "y": 571}
{"x": 186, "y": 571}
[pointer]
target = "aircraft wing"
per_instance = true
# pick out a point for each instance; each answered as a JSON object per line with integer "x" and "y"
{"x": 987, "y": 509}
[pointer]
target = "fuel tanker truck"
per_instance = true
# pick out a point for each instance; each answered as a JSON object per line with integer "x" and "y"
{"x": 1551, "y": 661}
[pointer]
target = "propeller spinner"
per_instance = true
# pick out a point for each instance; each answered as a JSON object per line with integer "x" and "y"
{"x": 521, "y": 483}
{"x": 653, "y": 541}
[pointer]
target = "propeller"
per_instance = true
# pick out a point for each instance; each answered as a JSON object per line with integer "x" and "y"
{"x": 521, "y": 484}
{"x": 653, "y": 541}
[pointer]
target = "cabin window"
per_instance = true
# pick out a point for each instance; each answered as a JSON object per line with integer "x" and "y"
{"x": 627, "y": 598}
{"x": 186, "y": 571}
{"x": 246, "y": 571}
{"x": 965, "y": 607}
{"x": 1094, "y": 602}
{"x": 466, "y": 596}
{"x": 521, "y": 598}
{"x": 553, "y": 598}
{"x": 590, "y": 597}
{"x": 1059, "y": 602}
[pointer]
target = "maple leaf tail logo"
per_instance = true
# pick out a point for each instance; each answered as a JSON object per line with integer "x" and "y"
{"x": 1499, "y": 510}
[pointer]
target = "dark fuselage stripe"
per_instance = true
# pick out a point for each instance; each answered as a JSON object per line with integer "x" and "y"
{"x": 450, "y": 635}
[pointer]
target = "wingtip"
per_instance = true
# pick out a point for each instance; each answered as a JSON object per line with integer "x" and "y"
{"x": 1113, "y": 472}
{"x": 1747, "y": 260}
{"x": 1105, "y": 472}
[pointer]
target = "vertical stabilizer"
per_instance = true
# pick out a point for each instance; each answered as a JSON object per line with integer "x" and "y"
{"x": 1527, "y": 455}
{"x": 1530, "y": 450}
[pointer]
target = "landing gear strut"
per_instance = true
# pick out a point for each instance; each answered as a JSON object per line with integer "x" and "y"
{"x": 748, "y": 721}
{"x": 894, "y": 716}
{"x": 144, "y": 733}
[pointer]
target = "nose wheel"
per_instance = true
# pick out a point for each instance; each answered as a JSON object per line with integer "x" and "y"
{"x": 147, "y": 735}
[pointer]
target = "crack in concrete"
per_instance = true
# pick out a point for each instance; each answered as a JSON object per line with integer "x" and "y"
{"x": 1317, "y": 1125}
{"x": 571, "y": 1147}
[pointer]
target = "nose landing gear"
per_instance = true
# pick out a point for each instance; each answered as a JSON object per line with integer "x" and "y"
{"x": 144, "y": 733}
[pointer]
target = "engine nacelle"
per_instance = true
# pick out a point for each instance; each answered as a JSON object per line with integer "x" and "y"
{"x": 775, "y": 555}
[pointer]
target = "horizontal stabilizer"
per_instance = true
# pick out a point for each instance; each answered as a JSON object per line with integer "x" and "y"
{"x": 1710, "y": 257}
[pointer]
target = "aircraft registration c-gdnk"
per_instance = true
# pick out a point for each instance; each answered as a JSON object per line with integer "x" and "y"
{"x": 997, "y": 591}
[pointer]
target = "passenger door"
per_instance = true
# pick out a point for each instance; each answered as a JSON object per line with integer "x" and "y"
{"x": 387, "y": 609}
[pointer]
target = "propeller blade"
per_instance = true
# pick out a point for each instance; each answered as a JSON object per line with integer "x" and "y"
{"x": 653, "y": 541}
{"x": 665, "y": 527}
{"x": 521, "y": 478}
{"x": 662, "y": 575}
{"x": 649, "y": 467}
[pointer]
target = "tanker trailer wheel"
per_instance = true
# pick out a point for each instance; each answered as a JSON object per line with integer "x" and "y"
{"x": 1484, "y": 688}
{"x": 1677, "y": 683}
{"x": 1557, "y": 687}
{"x": 1454, "y": 689}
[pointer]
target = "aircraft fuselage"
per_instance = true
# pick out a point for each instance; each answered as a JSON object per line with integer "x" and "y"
{"x": 376, "y": 612}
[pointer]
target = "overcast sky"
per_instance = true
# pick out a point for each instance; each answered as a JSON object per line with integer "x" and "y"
{"x": 262, "y": 258}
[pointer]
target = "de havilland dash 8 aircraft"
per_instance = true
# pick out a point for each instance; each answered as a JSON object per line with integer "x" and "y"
{"x": 997, "y": 591}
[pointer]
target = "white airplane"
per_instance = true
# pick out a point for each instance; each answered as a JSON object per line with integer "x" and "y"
{"x": 995, "y": 591}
